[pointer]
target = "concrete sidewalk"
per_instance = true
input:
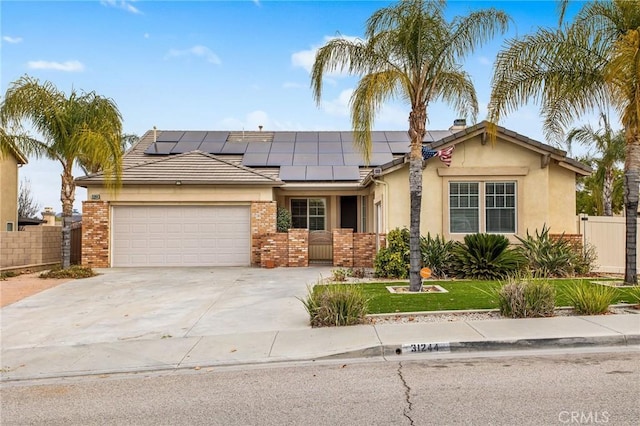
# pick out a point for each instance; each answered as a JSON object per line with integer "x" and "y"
{"x": 385, "y": 341}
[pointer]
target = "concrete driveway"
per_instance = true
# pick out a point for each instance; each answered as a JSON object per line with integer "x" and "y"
{"x": 141, "y": 304}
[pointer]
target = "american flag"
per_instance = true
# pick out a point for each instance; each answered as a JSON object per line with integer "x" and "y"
{"x": 444, "y": 154}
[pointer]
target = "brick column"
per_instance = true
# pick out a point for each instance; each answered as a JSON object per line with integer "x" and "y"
{"x": 343, "y": 248}
{"x": 364, "y": 250}
{"x": 263, "y": 221}
{"x": 95, "y": 234}
{"x": 298, "y": 247}
{"x": 274, "y": 251}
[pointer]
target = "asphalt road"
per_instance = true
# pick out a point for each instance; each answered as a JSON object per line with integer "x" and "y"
{"x": 591, "y": 388}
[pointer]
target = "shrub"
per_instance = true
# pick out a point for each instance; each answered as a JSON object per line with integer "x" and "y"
{"x": 336, "y": 305}
{"x": 590, "y": 299}
{"x": 339, "y": 274}
{"x": 283, "y": 219}
{"x": 485, "y": 257}
{"x": 635, "y": 294}
{"x": 526, "y": 298}
{"x": 8, "y": 274}
{"x": 555, "y": 257}
{"x": 75, "y": 271}
{"x": 436, "y": 254}
{"x": 393, "y": 261}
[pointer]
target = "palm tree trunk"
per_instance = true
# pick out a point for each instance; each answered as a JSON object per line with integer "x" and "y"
{"x": 631, "y": 182}
{"x": 607, "y": 192}
{"x": 67, "y": 196}
{"x": 417, "y": 123}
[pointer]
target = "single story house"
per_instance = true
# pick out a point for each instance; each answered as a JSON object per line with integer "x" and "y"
{"x": 207, "y": 198}
{"x": 10, "y": 162}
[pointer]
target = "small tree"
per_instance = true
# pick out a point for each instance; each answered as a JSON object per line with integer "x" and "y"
{"x": 27, "y": 207}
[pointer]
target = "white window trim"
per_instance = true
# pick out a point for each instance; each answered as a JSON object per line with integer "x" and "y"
{"x": 324, "y": 203}
{"x": 482, "y": 216}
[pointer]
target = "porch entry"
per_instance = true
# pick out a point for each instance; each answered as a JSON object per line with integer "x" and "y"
{"x": 321, "y": 241}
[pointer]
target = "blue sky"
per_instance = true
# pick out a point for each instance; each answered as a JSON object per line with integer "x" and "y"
{"x": 218, "y": 65}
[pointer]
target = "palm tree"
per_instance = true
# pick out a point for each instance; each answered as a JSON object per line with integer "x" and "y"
{"x": 589, "y": 64}
{"x": 411, "y": 52}
{"x": 126, "y": 141}
{"x": 79, "y": 126}
{"x": 610, "y": 145}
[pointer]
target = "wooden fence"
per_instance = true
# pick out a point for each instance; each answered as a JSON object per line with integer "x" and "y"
{"x": 76, "y": 243}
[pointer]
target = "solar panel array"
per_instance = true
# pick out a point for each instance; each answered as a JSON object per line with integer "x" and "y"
{"x": 305, "y": 156}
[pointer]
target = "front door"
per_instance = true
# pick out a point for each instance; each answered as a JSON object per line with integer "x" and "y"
{"x": 349, "y": 212}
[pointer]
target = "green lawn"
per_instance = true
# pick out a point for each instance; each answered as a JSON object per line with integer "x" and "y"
{"x": 461, "y": 295}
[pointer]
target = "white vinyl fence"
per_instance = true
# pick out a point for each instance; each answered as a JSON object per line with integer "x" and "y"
{"x": 607, "y": 235}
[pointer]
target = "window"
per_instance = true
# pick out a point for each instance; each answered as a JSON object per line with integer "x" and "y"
{"x": 492, "y": 204}
{"x": 308, "y": 213}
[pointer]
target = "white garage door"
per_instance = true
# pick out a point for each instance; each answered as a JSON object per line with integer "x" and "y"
{"x": 181, "y": 236}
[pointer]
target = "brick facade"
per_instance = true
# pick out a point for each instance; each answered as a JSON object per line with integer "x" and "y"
{"x": 275, "y": 250}
{"x": 298, "y": 247}
{"x": 263, "y": 222}
{"x": 364, "y": 250}
{"x": 95, "y": 234}
{"x": 574, "y": 239}
{"x": 343, "y": 248}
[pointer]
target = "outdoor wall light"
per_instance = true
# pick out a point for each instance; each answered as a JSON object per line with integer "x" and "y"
{"x": 178, "y": 182}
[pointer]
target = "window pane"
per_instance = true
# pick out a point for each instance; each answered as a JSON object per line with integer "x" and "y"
{"x": 463, "y": 207}
{"x": 500, "y": 207}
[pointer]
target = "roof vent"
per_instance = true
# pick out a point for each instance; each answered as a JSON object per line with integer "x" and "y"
{"x": 458, "y": 124}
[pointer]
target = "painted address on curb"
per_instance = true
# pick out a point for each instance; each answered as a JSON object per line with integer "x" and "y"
{"x": 421, "y": 348}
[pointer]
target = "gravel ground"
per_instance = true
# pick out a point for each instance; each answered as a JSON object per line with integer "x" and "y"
{"x": 463, "y": 316}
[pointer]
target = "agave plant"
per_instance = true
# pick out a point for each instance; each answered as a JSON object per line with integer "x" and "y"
{"x": 550, "y": 257}
{"x": 436, "y": 254}
{"x": 486, "y": 257}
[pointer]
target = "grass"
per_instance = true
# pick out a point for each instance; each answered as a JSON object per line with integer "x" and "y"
{"x": 462, "y": 295}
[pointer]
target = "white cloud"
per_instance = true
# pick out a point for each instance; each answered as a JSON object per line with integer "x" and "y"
{"x": 198, "y": 51}
{"x": 305, "y": 58}
{"x": 68, "y": 66}
{"x": 12, "y": 40}
{"x": 484, "y": 60}
{"x": 122, "y": 4}
{"x": 340, "y": 105}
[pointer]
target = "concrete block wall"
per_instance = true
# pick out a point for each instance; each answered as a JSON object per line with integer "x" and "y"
{"x": 263, "y": 222}
{"x": 36, "y": 245}
{"x": 95, "y": 234}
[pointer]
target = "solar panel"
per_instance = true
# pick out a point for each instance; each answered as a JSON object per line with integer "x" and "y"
{"x": 378, "y": 159}
{"x": 163, "y": 148}
{"x": 182, "y": 147}
{"x": 319, "y": 173}
{"x": 346, "y": 173}
{"x": 307, "y": 137}
{"x": 169, "y": 136}
{"x": 306, "y": 147}
{"x": 346, "y": 137}
{"x": 280, "y": 159}
{"x": 255, "y": 159}
{"x": 397, "y": 136}
{"x": 258, "y": 147}
{"x": 329, "y": 137}
{"x": 282, "y": 147}
{"x": 378, "y": 137}
{"x": 216, "y": 136}
{"x": 330, "y": 147}
{"x": 293, "y": 173}
{"x": 193, "y": 136}
{"x": 347, "y": 147}
{"x": 399, "y": 147}
{"x": 234, "y": 148}
{"x": 330, "y": 159}
{"x": 380, "y": 147}
{"x": 305, "y": 159}
{"x": 211, "y": 147}
{"x": 353, "y": 160}
{"x": 284, "y": 137}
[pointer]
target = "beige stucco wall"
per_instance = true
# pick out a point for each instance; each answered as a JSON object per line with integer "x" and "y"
{"x": 9, "y": 192}
{"x": 167, "y": 194}
{"x": 545, "y": 195}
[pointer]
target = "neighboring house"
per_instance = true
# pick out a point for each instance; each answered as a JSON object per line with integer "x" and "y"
{"x": 9, "y": 165}
{"x": 204, "y": 198}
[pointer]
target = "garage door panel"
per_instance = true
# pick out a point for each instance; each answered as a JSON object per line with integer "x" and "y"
{"x": 181, "y": 236}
